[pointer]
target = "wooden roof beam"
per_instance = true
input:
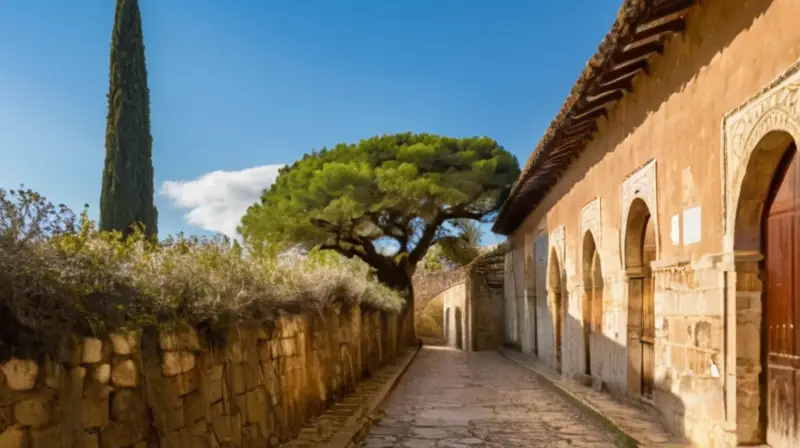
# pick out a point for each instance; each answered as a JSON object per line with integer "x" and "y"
{"x": 602, "y": 100}
{"x": 623, "y": 83}
{"x": 619, "y": 71}
{"x": 668, "y": 8}
{"x": 591, "y": 115}
{"x": 583, "y": 126}
{"x": 636, "y": 51}
{"x": 675, "y": 25}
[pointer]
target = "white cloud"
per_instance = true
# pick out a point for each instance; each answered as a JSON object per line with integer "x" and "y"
{"x": 216, "y": 201}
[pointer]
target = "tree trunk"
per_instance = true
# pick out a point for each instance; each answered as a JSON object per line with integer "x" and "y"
{"x": 397, "y": 278}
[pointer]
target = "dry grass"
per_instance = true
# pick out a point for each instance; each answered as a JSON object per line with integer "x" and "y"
{"x": 59, "y": 275}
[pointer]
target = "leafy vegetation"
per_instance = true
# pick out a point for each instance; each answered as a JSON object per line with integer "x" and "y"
{"x": 385, "y": 200}
{"x": 126, "y": 199}
{"x": 454, "y": 251}
{"x": 59, "y": 275}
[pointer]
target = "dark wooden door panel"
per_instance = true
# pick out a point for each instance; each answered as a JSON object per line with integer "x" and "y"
{"x": 782, "y": 305}
{"x": 648, "y": 338}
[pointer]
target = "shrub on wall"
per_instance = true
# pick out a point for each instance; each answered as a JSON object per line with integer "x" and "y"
{"x": 60, "y": 275}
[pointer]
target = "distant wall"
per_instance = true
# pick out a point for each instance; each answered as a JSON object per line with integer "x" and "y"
{"x": 454, "y": 301}
{"x": 174, "y": 387}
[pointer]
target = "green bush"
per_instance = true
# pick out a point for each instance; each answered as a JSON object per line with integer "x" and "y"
{"x": 60, "y": 275}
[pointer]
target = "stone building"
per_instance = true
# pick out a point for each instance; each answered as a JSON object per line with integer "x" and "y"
{"x": 463, "y": 309}
{"x": 655, "y": 230}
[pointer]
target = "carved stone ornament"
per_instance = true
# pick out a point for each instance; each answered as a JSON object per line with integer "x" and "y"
{"x": 590, "y": 220}
{"x": 775, "y": 108}
{"x": 642, "y": 185}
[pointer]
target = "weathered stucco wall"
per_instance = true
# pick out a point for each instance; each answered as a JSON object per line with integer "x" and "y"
{"x": 487, "y": 305}
{"x": 454, "y": 303}
{"x": 176, "y": 388}
{"x": 662, "y": 147}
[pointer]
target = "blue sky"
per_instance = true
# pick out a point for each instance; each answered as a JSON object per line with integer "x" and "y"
{"x": 240, "y": 87}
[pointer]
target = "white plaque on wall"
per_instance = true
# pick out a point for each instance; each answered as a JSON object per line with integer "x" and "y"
{"x": 692, "y": 225}
{"x": 675, "y": 229}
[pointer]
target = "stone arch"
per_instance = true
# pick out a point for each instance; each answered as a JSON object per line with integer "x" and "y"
{"x": 592, "y": 296}
{"x": 640, "y": 249}
{"x": 762, "y": 173}
{"x": 641, "y": 186}
{"x": 557, "y": 304}
{"x": 756, "y": 138}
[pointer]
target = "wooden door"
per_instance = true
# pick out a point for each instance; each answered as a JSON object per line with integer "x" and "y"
{"x": 648, "y": 338}
{"x": 648, "y": 334}
{"x": 782, "y": 288}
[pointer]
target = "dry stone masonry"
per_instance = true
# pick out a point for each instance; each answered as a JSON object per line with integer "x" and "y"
{"x": 175, "y": 387}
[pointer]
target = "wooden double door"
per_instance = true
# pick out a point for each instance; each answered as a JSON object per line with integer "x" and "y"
{"x": 782, "y": 305}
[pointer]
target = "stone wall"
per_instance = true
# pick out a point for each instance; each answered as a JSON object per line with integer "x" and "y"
{"x": 428, "y": 286}
{"x": 486, "y": 300}
{"x": 173, "y": 387}
{"x": 691, "y": 153}
{"x": 690, "y": 347}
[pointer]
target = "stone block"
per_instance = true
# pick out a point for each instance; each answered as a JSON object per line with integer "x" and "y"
{"x": 256, "y": 403}
{"x": 119, "y": 435}
{"x": 263, "y": 350}
{"x": 199, "y": 428}
{"x": 94, "y": 412}
{"x": 288, "y": 347}
{"x": 175, "y": 363}
{"x": 124, "y": 374}
{"x": 46, "y": 438}
{"x": 173, "y": 420}
{"x": 214, "y": 389}
{"x": 125, "y": 343}
{"x": 53, "y": 372}
{"x": 253, "y": 377}
{"x": 128, "y": 406}
{"x": 20, "y": 374}
{"x": 179, "y": 338}
{"x": 275, "y": 349}
{"x": 35, "y": 412}
{"x": 234, "y": 352}
{"x": 677, "y": 357}
{"x": 227, "y": 428}
{"x": 178, "y": 386}
{"x": 6, "y": 417}
{"x": 194, "y": 407}
{"x": 236, "y": 373}
{"x": 13, "y": 437}
{"x": 88, "y": 440}
{"x": 680, "y": 331}
{"x": 91, "y": 351}
{"x": 101, "y": 373}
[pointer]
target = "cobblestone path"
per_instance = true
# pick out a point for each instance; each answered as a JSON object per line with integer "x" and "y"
{"x": 450, "y": 398}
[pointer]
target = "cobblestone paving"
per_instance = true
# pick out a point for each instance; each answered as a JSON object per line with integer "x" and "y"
{"x": 450, "y": 398}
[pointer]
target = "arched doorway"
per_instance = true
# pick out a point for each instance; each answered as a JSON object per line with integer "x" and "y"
{"x": 767, "y": 221}
{"x": 459, "y": 329}
{"x": 557, "y": 306}
{"x": 640, "y": 251}
{"x": 447, "y": 327}
{"x": 592, "y": 297}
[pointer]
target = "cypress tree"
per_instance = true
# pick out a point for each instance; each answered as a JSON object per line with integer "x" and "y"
{"x": 127, "y": 195}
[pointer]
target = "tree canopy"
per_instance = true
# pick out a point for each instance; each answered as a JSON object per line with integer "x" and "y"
{"x": 384, "y": 200}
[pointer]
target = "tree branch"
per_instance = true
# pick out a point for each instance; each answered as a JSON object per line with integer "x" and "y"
{"x": 425, "y": 241}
